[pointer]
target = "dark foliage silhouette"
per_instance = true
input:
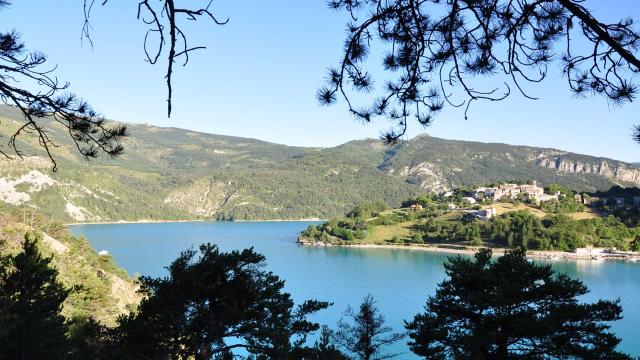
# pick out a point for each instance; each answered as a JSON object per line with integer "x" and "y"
{"x": 436, "y": 49}
{"x": 512, "y": 309}
{"x": 28, "y": 84}
{"x": 212, "y": 304}
{"x": 166, "y": 21}
{"x": 31, "y": 326}
{"x": 90, "y": 340}
{"x": 364, "y": 334}
{"x": 324, "y": 348}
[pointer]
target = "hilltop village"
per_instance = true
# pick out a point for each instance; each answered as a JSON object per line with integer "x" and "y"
{"x": 503, "y": 192}
{"x": 532, "y": 192}
{"x": 547, "y": 219}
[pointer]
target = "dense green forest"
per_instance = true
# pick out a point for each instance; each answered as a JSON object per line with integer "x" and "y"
{"x": 521, "y": 228}
{"x": 169, "y": 173}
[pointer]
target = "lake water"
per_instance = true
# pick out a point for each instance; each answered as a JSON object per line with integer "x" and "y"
{"x": 400, "y": 280}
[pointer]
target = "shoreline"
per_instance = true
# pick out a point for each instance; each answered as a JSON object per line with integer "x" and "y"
{"x": 284, "y": 220}
{"x": 452, "y": 249}
{"x": 186, "y": 221}
{"x": 130, "y": 222}
{"x": 436, "y": 248}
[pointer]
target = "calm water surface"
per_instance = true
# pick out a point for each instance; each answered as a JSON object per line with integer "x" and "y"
{"x": 400, "y": 280}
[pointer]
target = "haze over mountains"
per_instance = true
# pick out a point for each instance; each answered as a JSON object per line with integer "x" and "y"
{"x": 170, "y": 173}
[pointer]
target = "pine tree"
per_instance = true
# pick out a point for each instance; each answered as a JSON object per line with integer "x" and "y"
{"x": 512, "y": 309}
{"x": 367, "y": 334}
{"x": 31, "y": 299}
{"x": 212, "y": 305}
{"x": 324, "y": 348}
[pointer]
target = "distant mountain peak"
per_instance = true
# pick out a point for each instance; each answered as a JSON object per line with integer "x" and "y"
{"x": 422, "y": 136}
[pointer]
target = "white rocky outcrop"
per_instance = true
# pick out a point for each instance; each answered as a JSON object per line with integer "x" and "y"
{"x": 76, "y": 212}
{"x": 427, "y": 175}
{"x": 202, "y": 198}
{"x": 36, "y": 180}
{"x": 613, "y": 170}
{"x": 56, "y": 245}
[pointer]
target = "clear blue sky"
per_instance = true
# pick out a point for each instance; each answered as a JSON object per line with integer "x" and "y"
{"x": 260, "y": 72}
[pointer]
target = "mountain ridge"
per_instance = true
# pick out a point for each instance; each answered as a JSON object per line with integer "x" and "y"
{"x": 167, "y": 173}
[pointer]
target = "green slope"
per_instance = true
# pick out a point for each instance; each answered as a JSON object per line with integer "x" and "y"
{"x": 101, "y": 289}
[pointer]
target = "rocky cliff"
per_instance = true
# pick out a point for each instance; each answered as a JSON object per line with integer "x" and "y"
{"x": 615, "y": 170}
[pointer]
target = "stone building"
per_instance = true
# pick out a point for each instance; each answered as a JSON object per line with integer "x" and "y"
{"x": 533, "y": 192}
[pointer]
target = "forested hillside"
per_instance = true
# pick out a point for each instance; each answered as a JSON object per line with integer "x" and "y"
{"x": 169, "y": 173}
{"x": 99, "y": 288}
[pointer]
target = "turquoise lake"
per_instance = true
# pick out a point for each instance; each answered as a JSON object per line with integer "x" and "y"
{"x": 400, "y": 280}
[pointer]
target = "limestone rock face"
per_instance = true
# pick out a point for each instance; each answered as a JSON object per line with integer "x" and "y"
{"x": 616, "y": 171}
{"x": 424, "y": 174}
{"x": 202, "y": 198}
{"x": 441, "y": 168}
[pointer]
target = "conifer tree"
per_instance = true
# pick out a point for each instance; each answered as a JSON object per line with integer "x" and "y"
{"x": 31, "y": 299}
{"x": 212, "y": 305}
{"x": 366, "y": 334}
{"x": 512, "y": 309}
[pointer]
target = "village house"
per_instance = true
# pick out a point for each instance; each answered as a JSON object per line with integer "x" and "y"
{"x": 578, "y": 198}
{"x": 546, "y": 197}
{"x": 484, "y": 214}
{"x": 533, "y": 192}
{"x": 469, "y": 200}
